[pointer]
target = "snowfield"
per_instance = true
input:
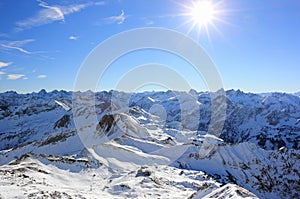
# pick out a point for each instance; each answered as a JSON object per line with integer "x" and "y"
{"x": 149, "y": 145}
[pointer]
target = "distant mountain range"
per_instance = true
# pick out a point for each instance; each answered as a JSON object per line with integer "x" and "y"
{"x": 227, "y": 144}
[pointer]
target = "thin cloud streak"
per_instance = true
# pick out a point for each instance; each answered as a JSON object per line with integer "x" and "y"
{"x": 51, "y": 14}
{"x": 1, "y": 73}
{"x": 147, "y": 21}
{"x": 3, "y": 35}
{"x": 41, "y": 76}
{"x": 16, "y": 45}
{"x": 21, "y": 42}
{"x": 16, "y": 48}
{"x": 119, "y": 19}
{"x": 14, "y": 76}
{"x": 4, "y": 64}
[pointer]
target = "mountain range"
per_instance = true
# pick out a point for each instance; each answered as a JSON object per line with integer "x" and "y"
{"x": 172, "y": 144}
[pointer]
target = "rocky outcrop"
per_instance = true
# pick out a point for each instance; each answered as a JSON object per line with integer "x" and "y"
{"x": 62, "y": 122}
{"x": 106, "y": 124}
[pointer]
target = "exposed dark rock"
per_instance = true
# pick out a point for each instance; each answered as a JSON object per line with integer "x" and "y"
{"x": 62, "y": 122}
{"x": 105, "y": 124}
{"x": 56, "y": 138}
{"x": 143, "y": 172}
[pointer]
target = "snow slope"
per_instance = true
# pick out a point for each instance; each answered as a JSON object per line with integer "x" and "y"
{"x": 152, "y": 144}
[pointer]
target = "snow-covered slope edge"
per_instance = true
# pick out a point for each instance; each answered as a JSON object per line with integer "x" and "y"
{"x": 268, "y": 174}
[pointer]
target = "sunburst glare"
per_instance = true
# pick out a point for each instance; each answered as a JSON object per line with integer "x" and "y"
{"x": 202, "y": 15}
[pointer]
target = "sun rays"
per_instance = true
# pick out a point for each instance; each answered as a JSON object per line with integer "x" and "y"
{"x": 202, "y": 16}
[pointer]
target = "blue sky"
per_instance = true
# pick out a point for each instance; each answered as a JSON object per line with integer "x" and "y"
{"x": 255, "y": 44}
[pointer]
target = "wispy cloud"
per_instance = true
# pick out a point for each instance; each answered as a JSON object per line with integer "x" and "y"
{"x": 119, "y": 19}
{"x": 1, "y": 73}
{"x": 3, "y": 35}
{"x": 78, "y": 7}
{"x": 147, "y": 21}
{"x": 72, "y": 37}
{"x": 16, "y": 48}
{"x": 14, "y": 76}
{"x": 16, "y": 45}
{"x": 21, "y": 42}
{"x": 51, "y": 14}
{"x": 41, "y": 76}
{"x": 25, "y": 78}
{"x": 4, "y": 64}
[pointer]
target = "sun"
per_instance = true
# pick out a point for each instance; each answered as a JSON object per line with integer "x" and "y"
{"x": 202, "y": 13}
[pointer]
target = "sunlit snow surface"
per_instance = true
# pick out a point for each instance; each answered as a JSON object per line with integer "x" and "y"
{"x": 149, "y": 150}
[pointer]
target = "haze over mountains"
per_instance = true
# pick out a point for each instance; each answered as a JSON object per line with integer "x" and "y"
{"x": 152, "y": 144}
